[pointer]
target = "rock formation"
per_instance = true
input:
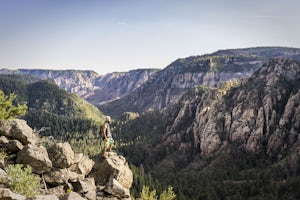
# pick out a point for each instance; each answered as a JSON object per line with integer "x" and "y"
{"x": 167, "y": 86}
{"x": 66, "y": 175}
{"x": 261, "y": 115}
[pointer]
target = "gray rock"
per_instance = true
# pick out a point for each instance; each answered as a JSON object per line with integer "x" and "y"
{"x": 61, "y": 155}
{"x": 19, "y": 130}
{"x": 112, "y": 167}
{"x": 7, "y": 194}
{"x": 83, "y": 165}
{"x": 116, "y": 189}
{"x": 3, "y": 178}
{"x": 86, "y": 188}
{"x": 12, "y": 146}
{"x": 62, "y": 176}
{"x": 57, "y": 191}
{"x": 36, "y": 157}
{"x": 73, "y": 196}
{"x": 45, "y": 197}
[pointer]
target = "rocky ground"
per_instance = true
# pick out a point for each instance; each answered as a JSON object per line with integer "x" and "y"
{"x": 64, "y": 174}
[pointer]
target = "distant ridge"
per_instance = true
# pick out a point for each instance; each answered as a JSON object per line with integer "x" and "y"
{"x": 167, "y": 86}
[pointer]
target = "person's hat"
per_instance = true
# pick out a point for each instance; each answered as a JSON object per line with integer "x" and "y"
{"x": 107, "y": 119}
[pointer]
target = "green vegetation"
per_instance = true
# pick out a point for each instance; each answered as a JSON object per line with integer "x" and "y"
{"x": 7, "y": 109}
{"x": 224, "y": 87}
{"x": 22, "y": 180}
{"x": 146, "y": 194}
{"x": 167, "y": 194}
{"x": 88, "y": 144}
{"x": 49, "y": 106}
{"x": 3, "y": 154}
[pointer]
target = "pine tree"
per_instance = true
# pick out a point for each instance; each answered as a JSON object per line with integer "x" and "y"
{"x": 167, "y": 194}
{"x": 146, "y": 194}
{"x": 7, "y": 109}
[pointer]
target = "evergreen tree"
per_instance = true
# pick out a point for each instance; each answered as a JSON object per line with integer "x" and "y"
{"x": 7, "y": 108}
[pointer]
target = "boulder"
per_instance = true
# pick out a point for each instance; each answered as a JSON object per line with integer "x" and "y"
{"x": 3, "y": 178}
{"x": 83, "y": 165}
{"x": 61, "y": 155}
{"x": 86, "y": 188}
{"x": 12, "y": 146}
{"x": 19, "y": 130}
{"x": 46, "y": 197}
{"x": 112, "y": 167}
{"x": 7, "y": 194}
{"x": 73, "y": 196}
{"x": 36, "y": 157}
{"x": 62, "y": 176}
{"x": 117, "y": 190}
{"x": 57, "y": 191}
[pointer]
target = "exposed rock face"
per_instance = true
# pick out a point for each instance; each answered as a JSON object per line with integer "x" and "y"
{"x": 69, "y": 172}
{"x": 91, "y": 86}
{"x": 115, "y": 85}
{"x": 169, "y": 84}
{"x": 260, "y": 115}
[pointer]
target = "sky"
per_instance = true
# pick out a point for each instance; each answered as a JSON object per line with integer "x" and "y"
{"x": 121, "y": 35}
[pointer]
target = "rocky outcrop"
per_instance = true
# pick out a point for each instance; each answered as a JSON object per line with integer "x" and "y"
{"x": 19, "y": 130}
{"x": 167, "y": 86}
{"x": 261, "y": 115}
{"x": 116, "y": 177}
{"x": 66, "y": 175}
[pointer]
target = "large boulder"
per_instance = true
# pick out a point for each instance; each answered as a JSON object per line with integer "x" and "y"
{"x": 116, "y": 189}
{"x": 83, "y": 165}
{"x": 114, "y": 173}
{"x": 19, "y": 130}
{"x": 62, "y": 176}
{"x": 86, "y": 188}
{"x": 12, "y": 146}
{"x": 36, "y": 157}
{"x": 7, "y": 194}
{"x": 61, "y": 155}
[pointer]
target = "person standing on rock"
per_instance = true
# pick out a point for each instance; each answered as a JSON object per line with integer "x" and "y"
{"x": 107, "y": 136}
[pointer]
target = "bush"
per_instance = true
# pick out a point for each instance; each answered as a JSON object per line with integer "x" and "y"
{"x": 3, "y": 154}
{"x": 23, "y": 181}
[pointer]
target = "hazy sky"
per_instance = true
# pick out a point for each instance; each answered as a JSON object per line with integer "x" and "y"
{"x": 119, "y": 35}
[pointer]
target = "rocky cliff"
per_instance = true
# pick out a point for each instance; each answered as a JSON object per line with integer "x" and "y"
{"x": 260, "y": 116}
{"x": 168, "y": 85}
{"x": 65, "y": 174}
{"x": 89, "y": 85}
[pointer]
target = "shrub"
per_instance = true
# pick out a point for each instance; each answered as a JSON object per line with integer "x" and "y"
{"x": 3, "y": 154}
{"x": 23, "y": 181}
